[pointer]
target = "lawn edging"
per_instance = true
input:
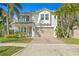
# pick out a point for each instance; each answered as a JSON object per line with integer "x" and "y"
{"x": 18, "y": 52}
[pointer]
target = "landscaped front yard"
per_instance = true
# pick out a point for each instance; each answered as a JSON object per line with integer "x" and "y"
{"x": 9, "y": 50}
{"x": 15, "y": 40}
{"x": 71, "y": 40}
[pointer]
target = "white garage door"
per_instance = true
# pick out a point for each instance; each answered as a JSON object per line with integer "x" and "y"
{"x": 46, "y": 31}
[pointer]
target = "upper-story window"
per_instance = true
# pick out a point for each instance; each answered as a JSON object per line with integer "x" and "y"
{"x": 27, "y": 18}
{"x": 23, "y": 18}
{"x": 19, "y": 19}
{"x": 46, "y": 16}
{"x": 42, "y": 16}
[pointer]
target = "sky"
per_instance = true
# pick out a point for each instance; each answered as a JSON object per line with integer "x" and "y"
{"x": 27, "y": 7}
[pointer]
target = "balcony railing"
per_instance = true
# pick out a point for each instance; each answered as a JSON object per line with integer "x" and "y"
{"x": 25, "y": 22}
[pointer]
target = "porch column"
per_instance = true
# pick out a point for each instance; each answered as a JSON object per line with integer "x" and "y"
{"x": 33, "y": 33}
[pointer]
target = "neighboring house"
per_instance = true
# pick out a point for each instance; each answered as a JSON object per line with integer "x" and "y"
{"x": 76, "y": 33}
{"x": 38, "y": 23}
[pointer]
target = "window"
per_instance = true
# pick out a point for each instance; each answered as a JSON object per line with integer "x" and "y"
{"x": 19, "y": 19}
{"x": 23, "y": 18}
{"x": 27, "y": 18}
{"x": 42, "y": 16}
{"x": 46, "y": 16}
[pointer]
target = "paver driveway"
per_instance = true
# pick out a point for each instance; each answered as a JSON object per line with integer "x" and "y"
{"x": 49, "y": 46}
{"x": 50, "y": 50}
{"x": 47, "y": 39}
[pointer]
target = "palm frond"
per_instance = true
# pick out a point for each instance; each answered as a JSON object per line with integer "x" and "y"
{"x": 18, "y": 6}
{"x": 3, "y": 4}
{"x": 16, "y": 11}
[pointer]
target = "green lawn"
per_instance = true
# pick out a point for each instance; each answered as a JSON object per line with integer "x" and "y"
{"x": 71, "y": 40}
{"x": 15, "y": 40}
{"x": 9, "y": 50}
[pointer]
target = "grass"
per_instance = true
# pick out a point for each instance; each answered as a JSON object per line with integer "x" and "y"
{"x": 9, "y": 50}
{"x": 71, "y": 40}
{"x": 15, "y": 40}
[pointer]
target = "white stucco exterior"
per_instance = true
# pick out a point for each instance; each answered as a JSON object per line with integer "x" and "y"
{"x": 44, "y": 21}
{"x": 35, "y": 18}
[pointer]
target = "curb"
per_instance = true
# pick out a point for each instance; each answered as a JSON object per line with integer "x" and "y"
{"x": 18, "y": 52}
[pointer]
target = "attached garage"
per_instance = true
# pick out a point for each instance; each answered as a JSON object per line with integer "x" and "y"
{"x": 45, "y": 31}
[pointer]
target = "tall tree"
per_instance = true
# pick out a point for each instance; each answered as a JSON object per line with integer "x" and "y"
{"x": 13, "y": 8}
{"x": 66, "y": 14}
{"x": 2, "y": 20}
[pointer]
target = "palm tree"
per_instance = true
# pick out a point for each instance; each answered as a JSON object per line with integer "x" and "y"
{"x": 60, "y": 22}
{"x": 2, "y": 20}
{"x": 13, "y": 8}
{"x": 1, "y": 24}
{"x": 71, "y": 10}
{"x": 66, "y": 14}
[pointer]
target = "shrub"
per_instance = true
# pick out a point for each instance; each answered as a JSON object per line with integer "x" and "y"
{"x": 1, "y": 35}
{"x": 20, "y": 34}
{"x": 10, "y": 36}
{"x": 60, "y": 31}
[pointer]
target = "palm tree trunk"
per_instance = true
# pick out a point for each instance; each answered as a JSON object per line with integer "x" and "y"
{"x": 7, "y": 23}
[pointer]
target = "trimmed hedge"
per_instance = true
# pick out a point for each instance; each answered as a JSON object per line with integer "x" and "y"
{"x": 10, "y": 36}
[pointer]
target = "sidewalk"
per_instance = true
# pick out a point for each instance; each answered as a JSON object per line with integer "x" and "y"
{"x": 14, "y": 44}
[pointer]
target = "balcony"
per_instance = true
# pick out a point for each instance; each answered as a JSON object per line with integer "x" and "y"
{"x": 24, "y": 24}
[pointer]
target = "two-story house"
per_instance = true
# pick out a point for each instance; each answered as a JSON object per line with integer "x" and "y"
{"x": 38, "y": 23}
